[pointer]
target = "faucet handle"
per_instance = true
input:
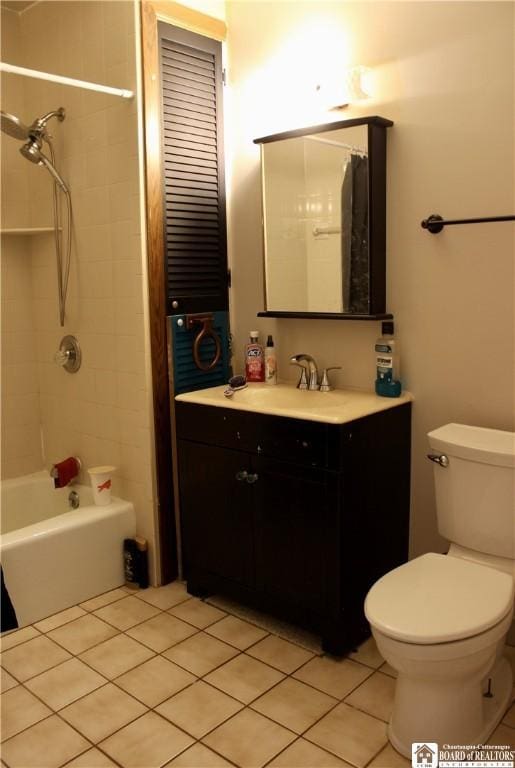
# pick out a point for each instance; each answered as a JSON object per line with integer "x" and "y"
{"x": 303, "y": 381}
{"x": 325, "y": 386}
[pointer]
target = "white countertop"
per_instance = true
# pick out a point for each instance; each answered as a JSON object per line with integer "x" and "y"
{"x": 336, "y": 407}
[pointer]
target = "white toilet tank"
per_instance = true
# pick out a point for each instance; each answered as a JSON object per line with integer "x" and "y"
{"x": 475, "y": 493}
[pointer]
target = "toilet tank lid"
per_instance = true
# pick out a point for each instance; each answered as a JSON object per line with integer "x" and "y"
{"x": 489, "y": 446}
{"x": 437, "y": 599}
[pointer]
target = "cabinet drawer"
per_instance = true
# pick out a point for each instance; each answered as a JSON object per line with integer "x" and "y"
{"x": 215, "y": 426}
{"x": 301, "y": 442}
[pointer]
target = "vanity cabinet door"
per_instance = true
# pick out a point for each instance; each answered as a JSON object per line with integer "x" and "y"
{"x": 297, "y": 537}
{"x": 216, "y": 513}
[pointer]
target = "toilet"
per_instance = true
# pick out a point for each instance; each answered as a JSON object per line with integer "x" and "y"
{"x": 441, "y": 620}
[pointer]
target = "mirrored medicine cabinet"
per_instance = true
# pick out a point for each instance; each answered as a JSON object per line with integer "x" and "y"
{"x": 324, "y": 220}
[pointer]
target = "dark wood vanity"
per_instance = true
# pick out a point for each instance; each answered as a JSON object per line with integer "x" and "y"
{"x": 298, "y": 518}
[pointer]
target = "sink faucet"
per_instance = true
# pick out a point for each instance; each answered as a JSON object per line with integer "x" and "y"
{"x": 312, "y": 383}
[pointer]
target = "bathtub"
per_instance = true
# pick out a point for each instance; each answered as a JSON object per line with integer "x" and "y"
{"x": 53, "y": 556}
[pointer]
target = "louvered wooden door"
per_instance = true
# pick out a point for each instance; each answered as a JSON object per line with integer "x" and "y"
{"x": 194, "y": 185}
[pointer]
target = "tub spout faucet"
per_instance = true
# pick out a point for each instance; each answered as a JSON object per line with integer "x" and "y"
{"x": 311, "y": 382}
{"x": 65, "y": 472}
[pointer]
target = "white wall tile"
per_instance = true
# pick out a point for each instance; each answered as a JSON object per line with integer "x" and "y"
{"x": 102, "y": 413}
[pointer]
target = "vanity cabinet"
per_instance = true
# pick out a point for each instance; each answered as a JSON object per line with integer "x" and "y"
{"x": 297, "y": 518}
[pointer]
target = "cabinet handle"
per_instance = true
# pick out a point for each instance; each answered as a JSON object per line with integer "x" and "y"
{"x": 248, "y": 477}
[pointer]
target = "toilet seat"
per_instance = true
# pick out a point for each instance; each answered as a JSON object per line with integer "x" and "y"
{"x": 438, "y": 599}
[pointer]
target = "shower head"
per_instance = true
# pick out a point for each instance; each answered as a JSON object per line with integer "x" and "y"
{"x": 32, "y": 151}
{"x": 34, "y": 135}
{"x": 13, "y": 126}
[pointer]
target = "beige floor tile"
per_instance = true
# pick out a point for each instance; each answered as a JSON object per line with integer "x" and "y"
{"x": 149, "y": 742}
{"x": 93, "y": 758}
{"x": 199, "y": 709}
{"x": 161, "y": 632}
{"x": 284, "y": 629}
{"x": 7, "y": 681}
{"x": 165, "y": 597}
{"x": 244, "y": 678}
{"x": 503, "y": 734}
{"x": 108, "y": 597}
{"x": 509, "y": 717}
{"x": 249, "y": 739}
{"x": 350, "y": 734}
{"x": 58, "y": 619}
{"x": 374, "y": 696}
{"x": 126, "y": 613}
{"x": 389, "y": 758}
{"x": 368, "y": 654}
{"x": 17, "y": 637}
{"x": 509, "y": 652}
{"x": 303, "y": 754}
{"x": 20, "y": 709}
{"x": 294, "y": 705}
{"x": 48, "y": 744}
{"x": 199, "y": 756}
{"x": 200, "y": 653}
{"x": 82, "y": 633}
{"x": 155, "y": 680}
{"x": 337, "y": 677}
{"x": 278, "y": 653}
{"x": 65, "y": 683}
{"x": 116, "y": 656}
{"x": 198, "y": 613}
{"x": 103, "y": 712}
{"x": 33, "y": 657}
{"x": 236, "y": 632}
{"x": 386, "y": 669}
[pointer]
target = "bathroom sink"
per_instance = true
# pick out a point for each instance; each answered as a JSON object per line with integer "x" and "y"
{"x": 335, "y": 407}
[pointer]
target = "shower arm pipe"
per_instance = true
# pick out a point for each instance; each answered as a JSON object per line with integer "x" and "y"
{"x": 435, "y": 223}
{"x": 15, "y": 70}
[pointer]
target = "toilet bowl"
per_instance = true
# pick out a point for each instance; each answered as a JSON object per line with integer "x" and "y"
{"x": 441, "y": 622}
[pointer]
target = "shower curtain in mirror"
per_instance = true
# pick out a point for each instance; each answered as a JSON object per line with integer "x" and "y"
{"x": 354, "y": 238}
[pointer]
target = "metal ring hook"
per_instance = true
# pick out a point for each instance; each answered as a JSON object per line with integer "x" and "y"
{"x": 207, "y": 331}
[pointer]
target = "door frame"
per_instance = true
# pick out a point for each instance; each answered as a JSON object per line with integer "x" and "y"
{"x": 178, "y": 15}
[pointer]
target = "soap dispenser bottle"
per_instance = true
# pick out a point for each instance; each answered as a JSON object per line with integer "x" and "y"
{"x": 387, "y": 363}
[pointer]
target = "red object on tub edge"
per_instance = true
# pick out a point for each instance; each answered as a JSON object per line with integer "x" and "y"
{"x": 65, "y": 471}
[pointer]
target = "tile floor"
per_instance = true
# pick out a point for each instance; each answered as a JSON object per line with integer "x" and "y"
{"x": 157, "y": 678}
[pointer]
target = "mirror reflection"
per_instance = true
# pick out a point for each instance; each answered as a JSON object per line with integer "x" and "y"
{"x": 315, "y": 200}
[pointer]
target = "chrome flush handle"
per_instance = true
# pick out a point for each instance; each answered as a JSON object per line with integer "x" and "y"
{"x": 440, "y": 459}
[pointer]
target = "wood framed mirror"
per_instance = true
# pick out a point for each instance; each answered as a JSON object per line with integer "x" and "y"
{"x": 324, "y": 220}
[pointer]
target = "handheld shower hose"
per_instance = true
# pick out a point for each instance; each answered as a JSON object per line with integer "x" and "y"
{"x": 34, "y": 136}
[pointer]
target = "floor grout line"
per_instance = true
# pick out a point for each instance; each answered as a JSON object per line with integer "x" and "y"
{"x": 198, "y": 678}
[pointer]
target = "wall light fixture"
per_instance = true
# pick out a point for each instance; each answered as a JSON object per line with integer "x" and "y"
{"x": 355, "y": 87}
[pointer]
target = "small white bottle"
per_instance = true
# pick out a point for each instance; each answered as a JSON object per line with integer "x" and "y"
{"x": 270, "y": 362}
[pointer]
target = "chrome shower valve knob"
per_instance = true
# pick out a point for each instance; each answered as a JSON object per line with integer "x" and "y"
{"x": 69, "y": 354}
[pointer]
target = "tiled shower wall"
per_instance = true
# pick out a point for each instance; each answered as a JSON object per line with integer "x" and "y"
{"x": 103, "y": 413}
{"x": 21, "y": 440}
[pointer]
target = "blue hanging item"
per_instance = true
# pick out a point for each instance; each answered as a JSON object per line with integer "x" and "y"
{"x": 199, "y": 351}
